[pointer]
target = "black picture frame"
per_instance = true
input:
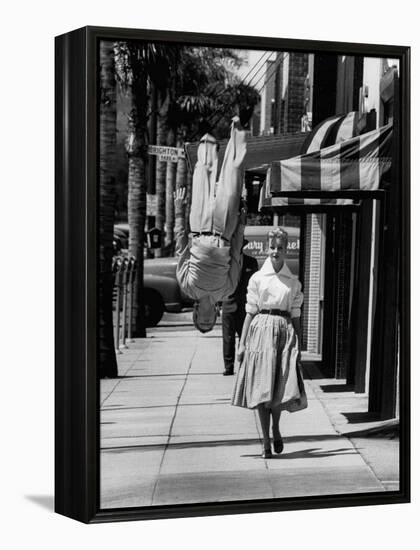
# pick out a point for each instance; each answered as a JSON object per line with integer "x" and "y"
{"x": 76, "y": 204}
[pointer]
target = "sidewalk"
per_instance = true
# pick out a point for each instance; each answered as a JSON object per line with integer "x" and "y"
{"x": 169, "y": 434}
{"x": 376, "y": 440}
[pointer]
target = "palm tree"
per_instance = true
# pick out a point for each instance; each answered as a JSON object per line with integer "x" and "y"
{"x": 186, "y": 73}
{"x": 191, "y": 103}
{"x": 136, "y": 210}
{"x": 170, "y": 187}
{"x": 204, "y": 95}
{"x": 161, "y": 166}
{"x": 107, "y": 148}
{"x": 237, "y": 98}
{"x": 139, "y": 64}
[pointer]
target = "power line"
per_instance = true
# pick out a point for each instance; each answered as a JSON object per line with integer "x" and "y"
{"x": 273, "y": 72}
{"x": 253, "y": 85}
{"x": 286, "y": 55}
{"x": 252, "y": 68}
{"x": 242, "y": 82}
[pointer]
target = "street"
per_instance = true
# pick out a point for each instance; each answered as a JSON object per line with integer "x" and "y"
{"x": 169, "y": 434}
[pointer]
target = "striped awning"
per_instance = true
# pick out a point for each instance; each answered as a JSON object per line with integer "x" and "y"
{"x": 331, "y": 131}
{"x": 354, "y": 164}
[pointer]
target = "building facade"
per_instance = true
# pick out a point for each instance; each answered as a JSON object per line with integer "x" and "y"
{"x": 340, "y": 246}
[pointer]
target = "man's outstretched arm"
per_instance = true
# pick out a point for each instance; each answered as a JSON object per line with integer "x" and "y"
{"x": 181, "y": 235}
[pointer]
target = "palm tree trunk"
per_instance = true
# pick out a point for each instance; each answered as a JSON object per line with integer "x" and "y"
{"x": 169, "y": 205}
{"x": 137, "y": 183}
{"x": 107, "y": 136}
{"x": 151, "y": 164}
{"x": 161, "y": 129}
{"x": 136, "y": 220}
{"x": 181, "y": 169}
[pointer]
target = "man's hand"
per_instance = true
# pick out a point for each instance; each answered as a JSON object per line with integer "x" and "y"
{"x": 236, "y": 121}
{"x": 179, "y": 200}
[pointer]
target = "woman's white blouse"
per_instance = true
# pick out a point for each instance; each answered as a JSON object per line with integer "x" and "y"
{"x": 270, "y": 290}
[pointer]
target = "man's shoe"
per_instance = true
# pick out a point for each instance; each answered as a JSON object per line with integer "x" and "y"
{"x": 278, "y": 445}
{"x": 228, "y": 371}
{"x": 266, "y": 453}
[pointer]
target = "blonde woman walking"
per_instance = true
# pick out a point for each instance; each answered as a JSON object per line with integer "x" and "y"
{"x": 269, "y": 377}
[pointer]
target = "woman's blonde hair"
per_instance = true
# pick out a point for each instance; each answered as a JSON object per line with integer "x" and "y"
{"x": 277, "y": 233}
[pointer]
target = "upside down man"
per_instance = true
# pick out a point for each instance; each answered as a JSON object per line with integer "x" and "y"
{"x": 210, "y": 258}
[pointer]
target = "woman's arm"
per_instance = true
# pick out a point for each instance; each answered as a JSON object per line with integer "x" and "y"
{"x": 296, "y": 309}
{"x": 245, "y": 328}
{"x": 297, "y": 327}
{"x": 251, "y": 309}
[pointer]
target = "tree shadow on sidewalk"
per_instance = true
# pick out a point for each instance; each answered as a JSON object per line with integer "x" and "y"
{"x": 315, "y": 452}
{"x": 236, "y": 442}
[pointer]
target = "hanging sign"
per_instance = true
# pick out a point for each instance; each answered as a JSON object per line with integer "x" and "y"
{"x": 151, "y": 203}
{"x": 154, "y": 238}
{"x": 166, "y": 154}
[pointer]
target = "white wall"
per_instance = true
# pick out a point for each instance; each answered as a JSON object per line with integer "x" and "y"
{"x": 372, "y": 73}
{"x": 254, "y": 72}
{"x": 371, "y": 77}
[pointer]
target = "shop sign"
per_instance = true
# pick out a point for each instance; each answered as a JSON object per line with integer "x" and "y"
{"x": 166, "y": 154}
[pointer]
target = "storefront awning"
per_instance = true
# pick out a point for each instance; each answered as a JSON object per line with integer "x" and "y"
{"x": 356, "y": 164}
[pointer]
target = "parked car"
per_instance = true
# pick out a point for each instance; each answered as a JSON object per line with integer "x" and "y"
{"x": 121, "y": 231}
{"x": 162, "y": 292}
{"x": 117, "y": 245}
{"x": 161, "y": 289}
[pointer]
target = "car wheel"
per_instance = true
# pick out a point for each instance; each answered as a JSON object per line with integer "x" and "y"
{"x": 153, "y": 308}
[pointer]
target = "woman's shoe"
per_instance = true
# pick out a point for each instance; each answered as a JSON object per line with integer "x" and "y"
{"x": 267, "y": 452}
{"x": 278, "y": 445}
{"x": 228, "y": 371}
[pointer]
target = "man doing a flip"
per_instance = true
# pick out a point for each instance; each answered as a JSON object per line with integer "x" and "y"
{"x": 209, "y": 260}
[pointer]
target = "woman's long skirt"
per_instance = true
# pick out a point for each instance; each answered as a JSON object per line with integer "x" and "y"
{"x": 270, "y": 372}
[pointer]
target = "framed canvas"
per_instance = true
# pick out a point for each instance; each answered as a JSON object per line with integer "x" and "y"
{"x": 232, "y": 274}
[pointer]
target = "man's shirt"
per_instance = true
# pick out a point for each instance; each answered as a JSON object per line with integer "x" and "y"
{"x": 210, "y": 266}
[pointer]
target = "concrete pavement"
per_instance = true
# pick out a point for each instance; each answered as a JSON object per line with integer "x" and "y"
{"x": 169, "y": 434}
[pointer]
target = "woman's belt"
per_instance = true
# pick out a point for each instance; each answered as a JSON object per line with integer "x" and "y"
{"x": 280, "y": 312}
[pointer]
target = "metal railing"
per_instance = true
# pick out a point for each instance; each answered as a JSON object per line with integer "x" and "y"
{"x": 124, "y": 273}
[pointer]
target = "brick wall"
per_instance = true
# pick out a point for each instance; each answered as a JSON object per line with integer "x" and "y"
{"x": 270, "y": 93}
{"x": 312, "y": 291}
{"x": 289, "y": 220}
{"x": 343, "y": 291}
{"x": 298, "y": 69}
{"x": 290, "y": 106}
{"x": 279, "y": 103}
